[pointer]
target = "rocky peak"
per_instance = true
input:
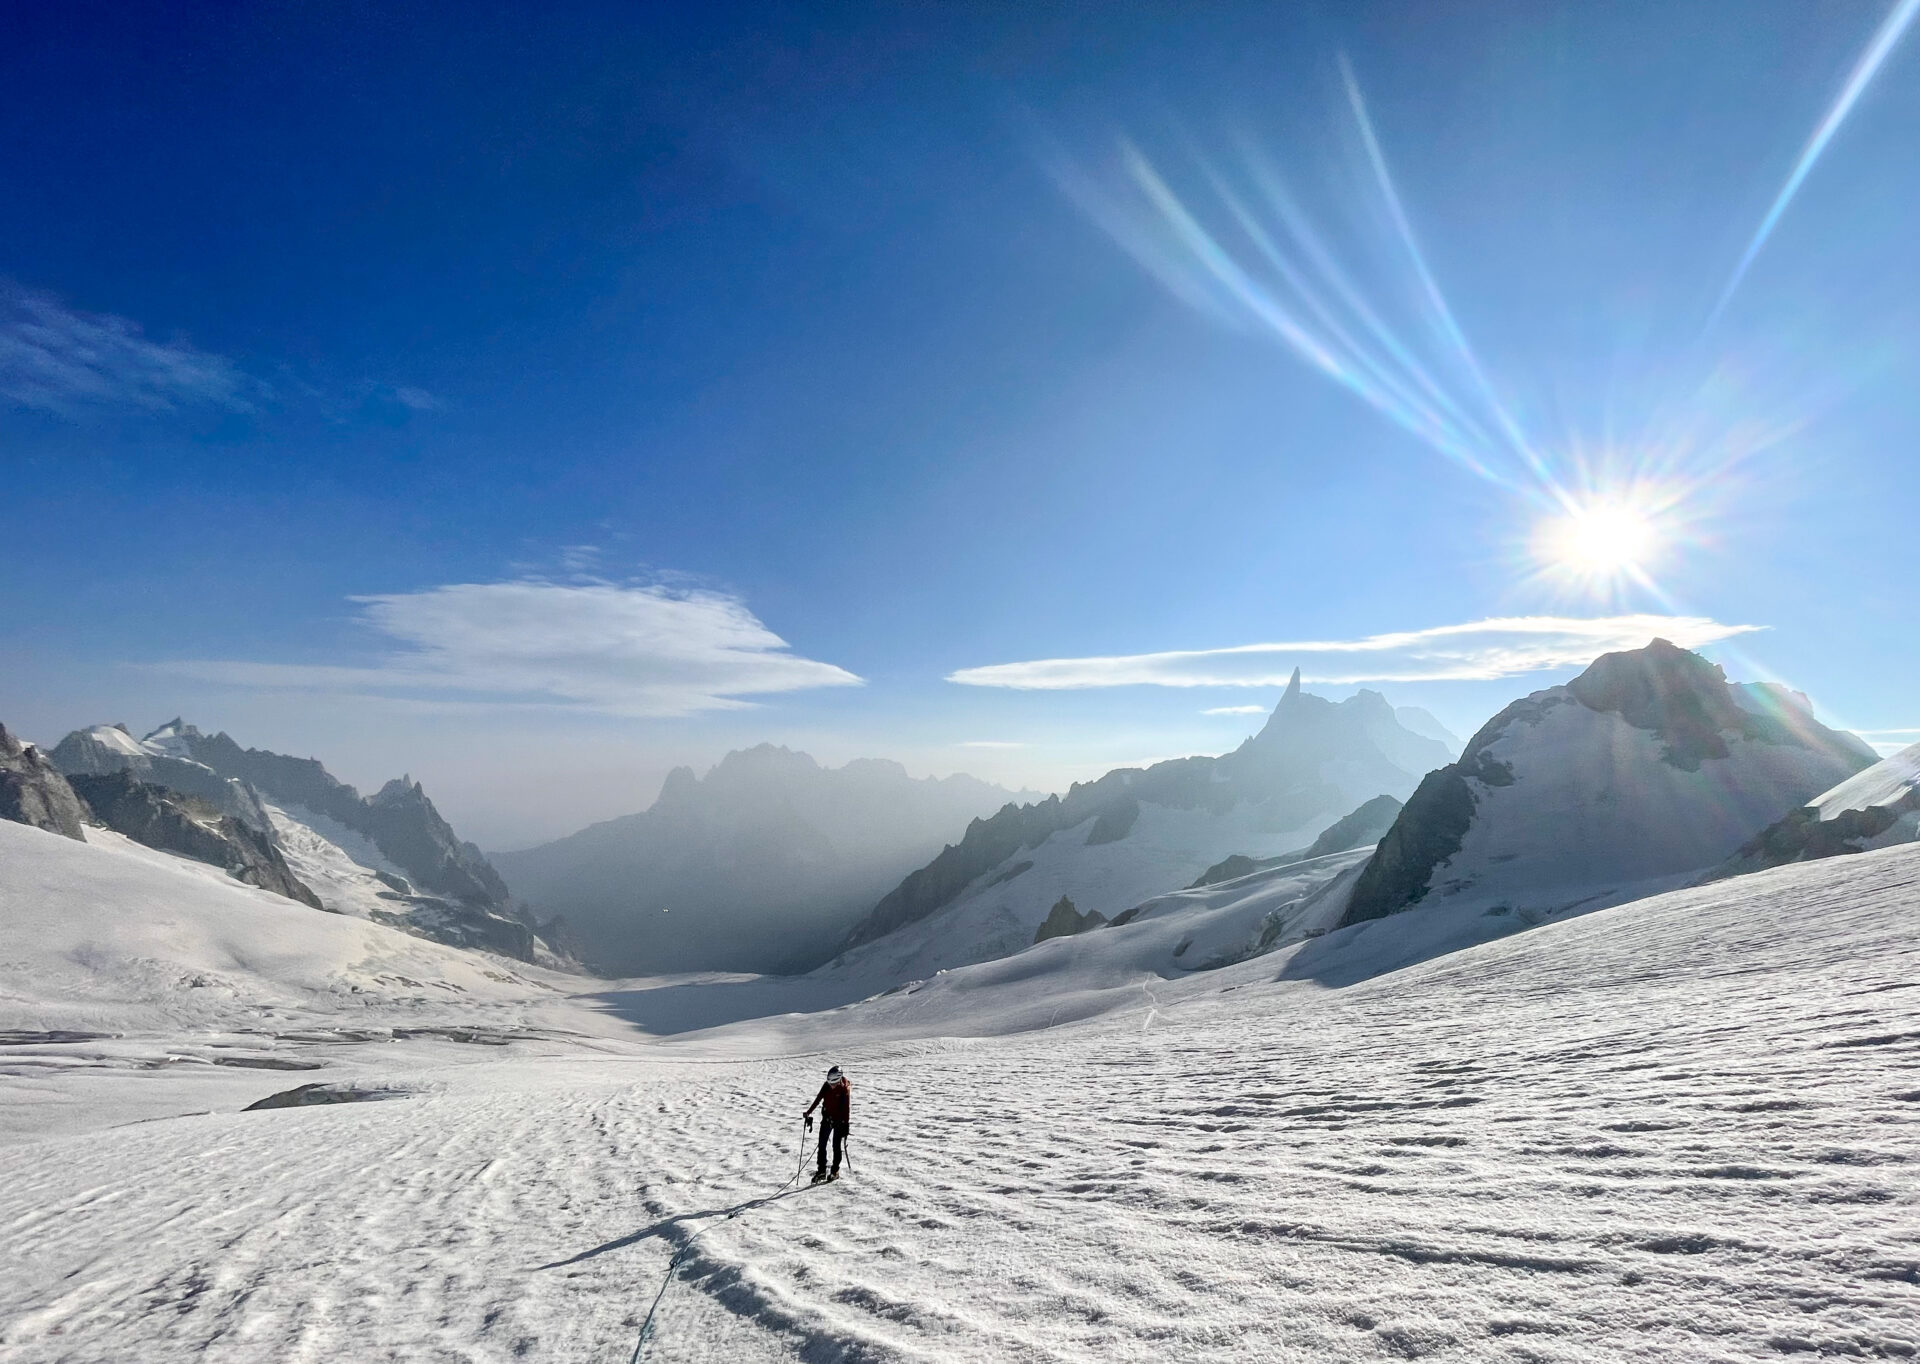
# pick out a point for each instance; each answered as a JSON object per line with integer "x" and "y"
{"x": 678, "y": 789}
{"x": 1688, "y": 702}
{"x": 32, "y": 791}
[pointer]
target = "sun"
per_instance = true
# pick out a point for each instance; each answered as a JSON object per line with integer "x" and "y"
{"x": 1600, "y": 540}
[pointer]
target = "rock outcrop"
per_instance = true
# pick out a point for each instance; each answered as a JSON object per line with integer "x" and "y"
{"x": 175, "y": 822}
{"x": 389, "y": 857}
{"x": 1874, "y": 809}
{"x": 33, "y": 791}
{"x": 398, "y": 819}
{"x": 1063, "y": 921}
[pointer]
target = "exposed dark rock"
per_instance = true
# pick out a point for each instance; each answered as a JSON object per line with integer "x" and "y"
{"x": 1017, "y": 869}
{"x": 1063, "y": 921}
{"x": 1114, "y": 824}
{"x": 307, "y": 1096}
{"x": 1366, "y": 824}
{"x": 399, "y": 819}
{"x": 1428, "y": 831}
{"x": 1802, "y": 836}
{"x": 173, "y": 821}
{"x": 1229, "y": 869}
{"x": 32, "y": 791}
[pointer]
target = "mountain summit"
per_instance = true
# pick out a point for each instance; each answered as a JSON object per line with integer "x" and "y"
{"x": 1646, "y": 769}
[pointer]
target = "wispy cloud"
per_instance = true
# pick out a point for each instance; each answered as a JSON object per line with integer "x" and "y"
{"x": 417, "y": 399}
{"x": 989, "y": 743}
{"x": 1477, "y": 651}
{"x": 1235, "y": 710}
{"x": 1888, "y": 742}
{"x": 622, "y": 650}
{"x": 56, "y": 359}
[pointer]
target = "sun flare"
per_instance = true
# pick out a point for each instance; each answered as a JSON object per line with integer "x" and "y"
{"x": 1603, "y": 539}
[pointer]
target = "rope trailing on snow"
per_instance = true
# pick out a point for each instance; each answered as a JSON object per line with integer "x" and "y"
{"x": 646, "y": 1327}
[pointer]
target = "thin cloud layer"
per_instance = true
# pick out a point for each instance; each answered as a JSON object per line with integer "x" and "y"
{"x": 1475, "y": 652}
{"x": 622, "y": 650}
{"x": 54, "y": 359}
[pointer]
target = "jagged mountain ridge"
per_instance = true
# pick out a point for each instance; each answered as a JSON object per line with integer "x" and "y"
{"x": 1648, "y": 766}
{"x": 761, "y": 865}
{"x": 106, "y": 749}
{"x": 1311, "y": 763}
{"x": 398, "y": 818}
{"x": 389, "y": 857}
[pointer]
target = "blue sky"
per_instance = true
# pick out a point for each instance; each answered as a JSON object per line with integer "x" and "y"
{"x": 534, "y": 402}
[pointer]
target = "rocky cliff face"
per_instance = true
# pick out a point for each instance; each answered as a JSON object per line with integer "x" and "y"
{"x": 1648, "y": 765}
{"x": 106, "y": 749}
{"x": 33, "y": 791}
{"x": 1063, "y": 921}
{"x": 176, "y": 822}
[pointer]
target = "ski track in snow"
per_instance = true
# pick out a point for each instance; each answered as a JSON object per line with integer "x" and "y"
{"x": 1684, "y": 1129}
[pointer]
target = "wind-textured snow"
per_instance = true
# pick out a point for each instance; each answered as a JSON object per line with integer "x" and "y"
{"x": 1682, "y": 1129}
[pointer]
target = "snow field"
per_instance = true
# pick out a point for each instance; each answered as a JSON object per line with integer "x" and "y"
{"x": 1683, "y": 1129}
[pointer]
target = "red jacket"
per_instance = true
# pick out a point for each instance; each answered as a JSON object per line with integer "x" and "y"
{"x": 835, "y": 1102}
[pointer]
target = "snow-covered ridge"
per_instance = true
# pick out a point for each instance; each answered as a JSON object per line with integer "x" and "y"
{"x": 1136, "y": 833}
{"x": 388, "y": 857}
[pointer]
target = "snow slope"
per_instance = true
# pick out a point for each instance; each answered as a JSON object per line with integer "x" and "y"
{"x": 1888, "y": 782}
{"x": 998, "y": 916}
{"x": 1683, "y": 1129}
{"x": 108, "y": 935}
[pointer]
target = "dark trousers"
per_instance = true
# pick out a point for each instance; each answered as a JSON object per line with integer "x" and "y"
{"x": 838, "y": 1131}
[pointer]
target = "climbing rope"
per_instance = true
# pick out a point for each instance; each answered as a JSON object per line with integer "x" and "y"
{"x": 646, "y": 1327}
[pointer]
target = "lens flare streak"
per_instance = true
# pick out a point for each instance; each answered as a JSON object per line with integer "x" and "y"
{"x": 1243, "y": 247}
{"x": 1884, "y": 41}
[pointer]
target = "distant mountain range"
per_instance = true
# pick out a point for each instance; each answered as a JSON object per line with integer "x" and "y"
{"x": 1109, "y": 845}
{"x": 761, "y": 865}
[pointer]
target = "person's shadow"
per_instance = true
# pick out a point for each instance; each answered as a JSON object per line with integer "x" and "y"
{"x": 668, "y": 1224}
